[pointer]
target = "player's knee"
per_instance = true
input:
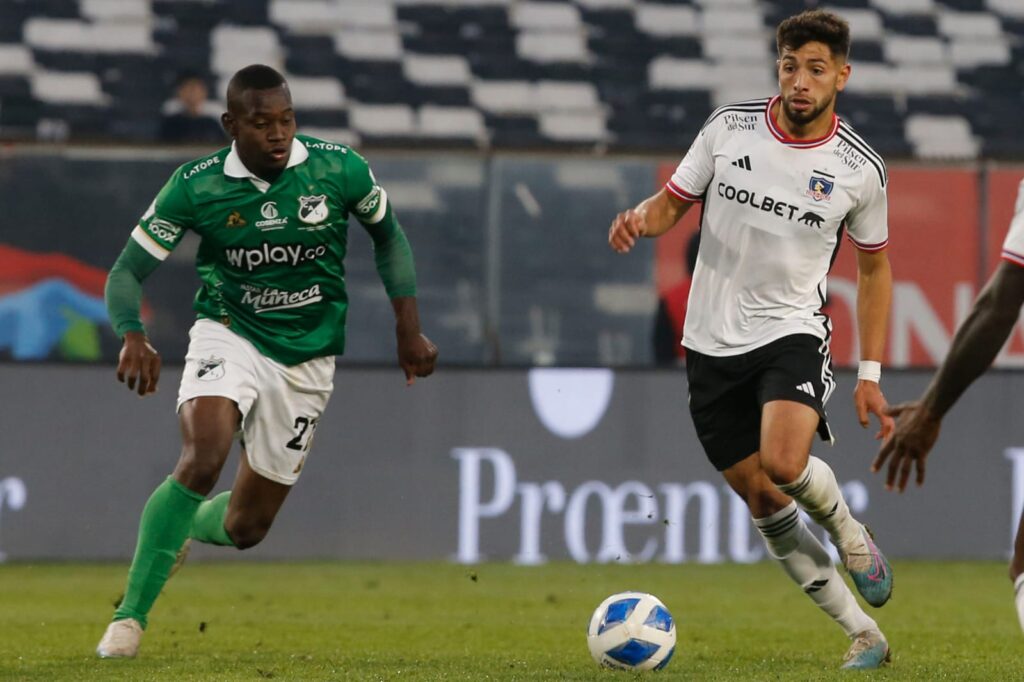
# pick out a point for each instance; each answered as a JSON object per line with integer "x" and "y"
{"x": 764, "y": 501}
{"x": 246, "y": 533}
{"x": 781, "y": 470}
{"x": 197, "y": 472}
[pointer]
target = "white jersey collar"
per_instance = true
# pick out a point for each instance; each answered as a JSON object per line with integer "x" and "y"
{"x": 233, "y": 166}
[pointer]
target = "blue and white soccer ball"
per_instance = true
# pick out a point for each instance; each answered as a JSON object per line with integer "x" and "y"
{"x": 632, "y": 631}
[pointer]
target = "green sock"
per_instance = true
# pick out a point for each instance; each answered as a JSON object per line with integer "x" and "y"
{"x": 208, "y": 523}
{"x": 163, "y": 529}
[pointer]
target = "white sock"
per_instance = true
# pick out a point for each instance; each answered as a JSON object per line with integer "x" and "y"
{"x": 805, "y": 560}
{"x": 816, "y": 490}
{"x": 1018, "y": 591}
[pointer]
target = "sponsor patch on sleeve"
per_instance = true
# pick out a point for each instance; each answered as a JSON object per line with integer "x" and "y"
{"x": 372, "y": 207}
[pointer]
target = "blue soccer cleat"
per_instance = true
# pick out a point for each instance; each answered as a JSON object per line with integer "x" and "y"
{"x": 868, "y": 651}
{"x": 869, "y": 570}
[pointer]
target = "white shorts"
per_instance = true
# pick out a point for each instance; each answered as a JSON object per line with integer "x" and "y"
{"x": 280, "y": 405}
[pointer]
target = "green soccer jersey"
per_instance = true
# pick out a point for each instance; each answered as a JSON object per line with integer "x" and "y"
{"x": 271, "y": 256}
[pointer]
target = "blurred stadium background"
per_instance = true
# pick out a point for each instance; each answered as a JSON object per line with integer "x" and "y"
{"x": 508, "y": 134}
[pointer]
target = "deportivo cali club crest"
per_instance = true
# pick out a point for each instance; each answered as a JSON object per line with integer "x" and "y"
{"x": 313, "y": 209}
{"x": 210, "y": 369}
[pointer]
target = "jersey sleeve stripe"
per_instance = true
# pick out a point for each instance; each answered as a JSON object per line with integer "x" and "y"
{"x": 1012, "y": 257}
{"x": 680, "y": 193}
{"x": 152, "y": 247}
{"x": 870, "y": 248}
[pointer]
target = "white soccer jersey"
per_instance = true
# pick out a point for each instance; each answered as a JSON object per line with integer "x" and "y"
{"x": 1013, "y": 245}
{"x": 773, "y": 212}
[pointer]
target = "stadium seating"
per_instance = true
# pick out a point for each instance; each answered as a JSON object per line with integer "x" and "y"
{"x": 590, "y": 74}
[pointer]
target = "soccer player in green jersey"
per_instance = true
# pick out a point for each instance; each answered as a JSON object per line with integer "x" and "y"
{"x": 272, "y": 214}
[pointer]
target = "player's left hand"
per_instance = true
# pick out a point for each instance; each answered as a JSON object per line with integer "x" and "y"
{"x": 416, "y": 355}
{"x": 909, "y": 444}
{"x": 868, "y": 399}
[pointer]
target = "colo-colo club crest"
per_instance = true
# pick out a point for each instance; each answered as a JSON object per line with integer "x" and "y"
{"x": 313, "y": 210}
{"x": 820, "y": 186}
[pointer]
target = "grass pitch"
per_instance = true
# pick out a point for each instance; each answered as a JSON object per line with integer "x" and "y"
{"x": 342, "y": 621}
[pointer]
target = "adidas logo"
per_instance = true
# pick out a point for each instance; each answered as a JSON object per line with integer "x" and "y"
{"x": 807, "y": 388}
{"x": 743, "y": 162}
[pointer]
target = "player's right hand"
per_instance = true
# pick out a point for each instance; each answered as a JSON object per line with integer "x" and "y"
{"x": 138, "y": 364}
{"x": 627, "y": 227}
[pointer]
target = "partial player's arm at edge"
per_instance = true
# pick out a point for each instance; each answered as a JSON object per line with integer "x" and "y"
{"x": 978, "y": 340}
{"x": 975, "y": 345}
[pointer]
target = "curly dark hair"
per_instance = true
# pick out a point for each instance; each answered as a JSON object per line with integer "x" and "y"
{"x": 815, "y": 26}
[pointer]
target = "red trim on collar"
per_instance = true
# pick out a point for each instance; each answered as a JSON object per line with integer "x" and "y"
{"x": 785, "y": 139}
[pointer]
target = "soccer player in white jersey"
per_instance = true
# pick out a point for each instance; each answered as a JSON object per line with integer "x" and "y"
{"x": 779, "y": 180}
{"x": 975, "y": 346}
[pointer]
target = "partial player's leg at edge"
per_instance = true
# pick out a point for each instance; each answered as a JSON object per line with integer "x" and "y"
{"x": 1017, "y": 571}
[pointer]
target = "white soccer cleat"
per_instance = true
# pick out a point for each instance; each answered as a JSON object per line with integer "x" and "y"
{"x": 121, "y": 640}
{"x": 868, "y": 651}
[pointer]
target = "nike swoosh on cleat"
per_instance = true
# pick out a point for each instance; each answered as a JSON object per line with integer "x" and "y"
{"x": 878, "y": 572}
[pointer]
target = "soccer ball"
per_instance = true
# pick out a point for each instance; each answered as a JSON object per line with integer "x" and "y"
{"x": 632, "y": 631}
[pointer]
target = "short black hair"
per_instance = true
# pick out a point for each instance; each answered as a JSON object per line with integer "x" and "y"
{"x": 253, "y": 77}
{"x": 814, "y": 25}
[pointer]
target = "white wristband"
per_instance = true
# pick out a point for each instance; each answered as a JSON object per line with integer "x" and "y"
{"x": 869, "y": 370}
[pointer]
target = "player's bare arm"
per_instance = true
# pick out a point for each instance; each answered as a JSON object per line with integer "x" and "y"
{"x": 874, "y": 295}
{"x": 975, "y": 346}
{"x": 652, "y": 217}
{"x": 138, "y": 364}
{"x": 417, "y": 354}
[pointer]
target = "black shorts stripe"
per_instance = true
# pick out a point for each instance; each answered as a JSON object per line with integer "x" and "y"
{"x": 827, "y": 376}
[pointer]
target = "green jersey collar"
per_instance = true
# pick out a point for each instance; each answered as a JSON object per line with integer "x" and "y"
{"x": 233, "y": 166}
